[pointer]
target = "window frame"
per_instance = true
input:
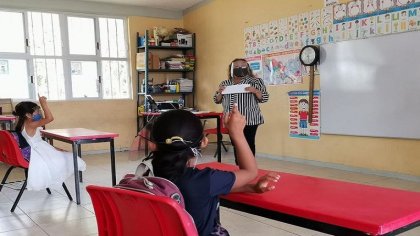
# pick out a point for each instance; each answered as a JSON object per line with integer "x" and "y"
{"x": 67, "y": 58}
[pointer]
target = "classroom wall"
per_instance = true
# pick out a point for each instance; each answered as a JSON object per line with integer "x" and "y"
{"x": 219, "y": 27}
{"x": 108, "y": 115}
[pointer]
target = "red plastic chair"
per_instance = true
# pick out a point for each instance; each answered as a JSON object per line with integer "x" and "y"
{"x": 223, "y": 131}
{"x": 11, "y": 155}
{"x": 121, "y": 212}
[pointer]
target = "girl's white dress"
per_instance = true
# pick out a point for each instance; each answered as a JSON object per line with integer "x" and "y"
{"x": 48, "y": 167}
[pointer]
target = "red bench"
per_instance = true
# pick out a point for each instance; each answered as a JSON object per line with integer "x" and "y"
{"x": 330, "y": 206}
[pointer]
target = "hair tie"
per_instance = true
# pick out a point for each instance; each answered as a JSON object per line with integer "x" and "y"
{"x": 174, "y": 139}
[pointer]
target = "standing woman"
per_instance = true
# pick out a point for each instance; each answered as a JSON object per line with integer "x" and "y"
{"x": 240, "y": 73}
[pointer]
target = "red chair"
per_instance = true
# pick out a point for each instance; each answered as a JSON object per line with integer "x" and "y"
{"x": 11, "y": 155}
{"x": 121, "y": 212}
{"x": 223, "y": 131}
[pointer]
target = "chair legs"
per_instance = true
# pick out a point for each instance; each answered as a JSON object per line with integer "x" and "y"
{"x": 3, "y": 182}
{"x": 6, "y": 176}
{"x": 67, "y": 192}
{"x": 19, "y": 196}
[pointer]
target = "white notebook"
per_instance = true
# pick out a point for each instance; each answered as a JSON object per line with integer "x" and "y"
{"x": 238, "y": 88}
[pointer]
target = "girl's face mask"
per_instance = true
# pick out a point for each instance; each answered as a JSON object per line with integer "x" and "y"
{"x": 37, "y": 117}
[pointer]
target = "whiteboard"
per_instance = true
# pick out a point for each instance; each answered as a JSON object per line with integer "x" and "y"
{"x": 371, "y": 87}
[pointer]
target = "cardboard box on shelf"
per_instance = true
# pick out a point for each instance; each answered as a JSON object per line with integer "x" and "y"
{"x": 153, "y": 61}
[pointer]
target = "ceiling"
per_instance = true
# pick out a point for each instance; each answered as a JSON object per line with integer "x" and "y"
{"x": 175, "y": 5}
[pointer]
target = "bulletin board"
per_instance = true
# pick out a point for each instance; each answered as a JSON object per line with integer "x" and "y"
{"x": 371, "y": 87}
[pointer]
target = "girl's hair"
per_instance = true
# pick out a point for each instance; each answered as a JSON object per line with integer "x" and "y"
{"x": 247, "y": 65}
{"x": 21, "y": 109}
{"x": 178, "y": 135}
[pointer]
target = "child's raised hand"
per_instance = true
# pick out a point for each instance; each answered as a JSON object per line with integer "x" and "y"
{"x": 234, "y": 121}
{"x": 265, "y": 183}
{"x": 42, "y": 99}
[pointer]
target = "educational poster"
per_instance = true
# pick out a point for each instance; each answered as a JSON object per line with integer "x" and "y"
{"x": 255, "y": 64}
{"x": 264, "y": 39}
{"x": 273, "y": 40}
{"x": 383, "y": 24}
{"x": 304, "y": 28}
{"x": 299, "y": 126}
{"x": 357, "y": 19}
{"x": 283, "y": 34}
{"x": 330, "y": 2}
{"x": 327, "y": 24}
{"x": 401, "y": 3}
{"x": 370, "y": 6}
{"x": 293, "y": 39}
{"x": 340, "y": 11}
{"x": 248, "y": 41}
{"x": 315, "y": 32}
{"x": 354, "y": 8}
{"x": 414, "y": 18}
{"x": 283, "y": 68}
{"x": 386, "y": 4}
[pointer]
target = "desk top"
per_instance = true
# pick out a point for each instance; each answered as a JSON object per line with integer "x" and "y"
{"x": 7, "y": 118}
{"x": 74, "y": 134}
{"x": 365, "y": 208}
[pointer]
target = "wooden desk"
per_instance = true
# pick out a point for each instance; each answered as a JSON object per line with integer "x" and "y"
{"x": 329, "y": 206}
{"x": 76, "y": 137}
{"x": 5, "y": 119}
{"x": 148, "y": 116}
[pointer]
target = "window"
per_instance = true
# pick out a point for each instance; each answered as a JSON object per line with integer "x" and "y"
{"x": 62, "y": 56}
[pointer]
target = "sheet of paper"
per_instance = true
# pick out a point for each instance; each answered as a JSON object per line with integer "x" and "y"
{"x": 238, "y": 88}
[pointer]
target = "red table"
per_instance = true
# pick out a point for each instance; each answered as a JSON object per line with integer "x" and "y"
{"x": 7, "y": 120}
{"x": 76, "y": 137}
{"x": 148, "y": 116}
{"x": 329, "y": 206}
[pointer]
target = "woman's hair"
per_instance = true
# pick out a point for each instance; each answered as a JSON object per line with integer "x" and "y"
{"x": 247, "y": 65}
{"x": 21, "y": 109}
{"x": 177, "y": 134}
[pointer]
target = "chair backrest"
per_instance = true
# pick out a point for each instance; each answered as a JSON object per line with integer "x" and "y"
{"x": 6, "y": 106}
{"x": 10, "y": 152}
{"x": 121, "y": 212}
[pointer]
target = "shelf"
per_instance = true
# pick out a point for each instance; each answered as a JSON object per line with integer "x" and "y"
{"x": 144, "y": 74}
{"x": 166, "y": 48}
{"x": 163, "y": 93}
{"x": 165, "y": 70}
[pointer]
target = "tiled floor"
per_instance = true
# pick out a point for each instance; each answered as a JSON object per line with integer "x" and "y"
{"x": 41, "y": 214}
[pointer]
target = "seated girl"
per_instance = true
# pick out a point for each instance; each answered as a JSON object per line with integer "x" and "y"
{"x": 178, "y": 135}
{"x": 48, "y": 167}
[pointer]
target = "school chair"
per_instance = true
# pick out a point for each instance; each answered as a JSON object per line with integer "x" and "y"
{"x": 223, "y": 131}
{"x": 11, "y": 155}
{"x": 121, "y": 212}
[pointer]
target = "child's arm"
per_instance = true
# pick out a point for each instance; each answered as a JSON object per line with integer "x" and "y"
{"x": 263, "y": 185}
{"x": 48, "y": 117}
{"x": 246, "y": 161}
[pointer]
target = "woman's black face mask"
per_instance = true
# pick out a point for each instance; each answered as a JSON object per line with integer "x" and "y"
{"x": 240, "y": 71}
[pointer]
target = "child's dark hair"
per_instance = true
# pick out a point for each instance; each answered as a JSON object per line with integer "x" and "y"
{"x": 21, "y": 109}
{"x": 175, "y": 133}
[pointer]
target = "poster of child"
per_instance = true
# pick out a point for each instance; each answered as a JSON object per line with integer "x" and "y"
{"x": 299, "y": 126}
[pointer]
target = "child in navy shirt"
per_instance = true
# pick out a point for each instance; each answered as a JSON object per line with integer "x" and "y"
{"x": 178, "y": 136}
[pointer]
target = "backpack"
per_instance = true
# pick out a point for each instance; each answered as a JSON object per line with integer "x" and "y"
{"x": 152, "y": 185}
{"x": 24, "y": 147}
